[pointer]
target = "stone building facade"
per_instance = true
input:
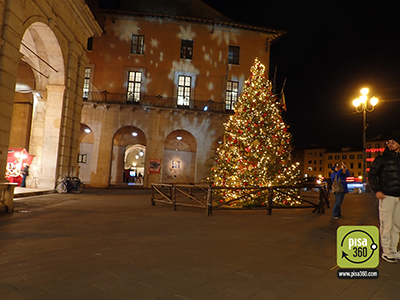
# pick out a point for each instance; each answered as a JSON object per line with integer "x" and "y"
{"x": 42, "y": 64}
{"x": 160, "y": 83}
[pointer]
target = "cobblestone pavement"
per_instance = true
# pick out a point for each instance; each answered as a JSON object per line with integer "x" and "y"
{"x": 112, "y": 244}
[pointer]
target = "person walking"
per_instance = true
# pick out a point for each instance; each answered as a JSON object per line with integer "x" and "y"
{"x": 25, "y": 173}
{"x": 340, "y": 174}
{"x": 384, "y": 181}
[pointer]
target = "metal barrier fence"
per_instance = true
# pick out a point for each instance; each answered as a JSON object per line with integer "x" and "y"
{"x": 202, "y": 196}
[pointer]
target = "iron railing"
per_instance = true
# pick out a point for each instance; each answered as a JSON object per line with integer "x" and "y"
{"x": 154, "y": 101}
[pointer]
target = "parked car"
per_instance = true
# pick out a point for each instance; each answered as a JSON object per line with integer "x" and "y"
{"x": 354, "y": 183}
{"x": 312, "y": 183}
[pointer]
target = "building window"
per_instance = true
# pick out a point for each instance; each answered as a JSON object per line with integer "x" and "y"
{"x": 187, "y": 49}
{"x": 232, "y": 92}
{"x": 351, "y": 156}
{"x": 89, "y": 45}
{"x": 86, "y": 83}
{"x": 344, "y": 156}
{"x": 310, "y": 162}
{"x": 184, "y": 90}
{"x": 377, "y": 145}
{"x": 351, "y": 165}
{"x": 320, "y": 168}
{"x": 330, "y": 157}
{"x": 336, "y": 156}
{"x": 315, "y": 154}
{"x": 329, "y": 165}
{"x": 368, "y": 146}
{"x": 359, "y": 156}
{"x": 320, "y": 162}
{"x": 309, "y": 154}
{"x": 315, "y": 162}
{"x": 134, "y": 85}
{"x": 359, "y": 165}
{"x": 137, "y": 44}
{"x": 320, "y": 154}
{"x": 233, "y": 56}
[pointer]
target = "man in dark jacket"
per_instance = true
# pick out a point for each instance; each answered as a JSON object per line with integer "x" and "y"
{"x": 384, "y": 180}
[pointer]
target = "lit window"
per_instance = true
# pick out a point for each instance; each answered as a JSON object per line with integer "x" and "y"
{"x": 187, "y": 49}
{"x": 233, "y": 56}
{"x": 184, "y": 90}
{"x": 232, "y": 92}
{"x": 86, "y": 83}
{"x": 134, "y": 85}
{"x": 137, "y": 44}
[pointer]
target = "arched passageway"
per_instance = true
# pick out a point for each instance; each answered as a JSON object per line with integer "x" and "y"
{"x": 38, "y": 103}
{"x": 128, "y": 157}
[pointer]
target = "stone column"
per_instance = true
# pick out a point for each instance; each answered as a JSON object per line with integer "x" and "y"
{"x": 9, "y": 58}
{"x": 51, "y": 136}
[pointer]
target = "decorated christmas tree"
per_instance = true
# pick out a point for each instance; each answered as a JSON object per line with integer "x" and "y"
{"x": 256, "y": 147}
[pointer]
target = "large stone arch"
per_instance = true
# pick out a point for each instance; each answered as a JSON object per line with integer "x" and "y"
{"x": 45, "y": 39}
{"x": 40, "y": 49}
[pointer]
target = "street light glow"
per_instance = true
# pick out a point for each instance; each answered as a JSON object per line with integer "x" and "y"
{"x": 361, "y": 104}
{"x": 363, "y": 98}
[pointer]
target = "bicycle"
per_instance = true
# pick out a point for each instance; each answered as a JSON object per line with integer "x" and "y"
{"x": 70, "y": 184}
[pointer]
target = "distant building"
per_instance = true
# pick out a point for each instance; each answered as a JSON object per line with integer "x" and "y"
{"x": 319, "y": 161}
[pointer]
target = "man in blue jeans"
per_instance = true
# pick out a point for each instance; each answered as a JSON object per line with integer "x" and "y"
{"x": 340, "y": 172}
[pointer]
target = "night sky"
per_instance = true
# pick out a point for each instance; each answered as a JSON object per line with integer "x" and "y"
{"x": 331, "y": 50}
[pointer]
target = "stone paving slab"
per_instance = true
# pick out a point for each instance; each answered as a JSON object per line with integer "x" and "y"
{"x": 112, "y": 244}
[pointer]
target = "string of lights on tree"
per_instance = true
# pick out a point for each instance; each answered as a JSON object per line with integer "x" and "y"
{"x": 256, "y": 147}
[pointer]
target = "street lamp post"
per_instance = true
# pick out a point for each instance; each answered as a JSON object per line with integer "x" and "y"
{"x": 361, "y": 105}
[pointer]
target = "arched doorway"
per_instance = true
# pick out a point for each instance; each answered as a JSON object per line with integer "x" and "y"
{"x": 38, "y": 103}
{"x": 86, "y": 139}
{"x": 128, "y": 157}
{"x": 134, "y": 163}
{"x": 179, "y": 163}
